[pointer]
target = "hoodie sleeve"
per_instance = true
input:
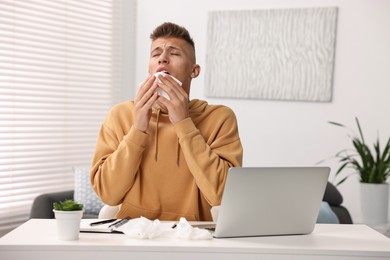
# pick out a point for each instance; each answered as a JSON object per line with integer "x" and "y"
{"x": 209, "y": 154}
{"x": 116, "y": 160}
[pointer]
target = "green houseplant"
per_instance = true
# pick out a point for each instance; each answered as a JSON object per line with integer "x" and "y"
{"x": 68, "y": 214}
{"x": 67, "y": 205}
{"x": 373, "y": 167}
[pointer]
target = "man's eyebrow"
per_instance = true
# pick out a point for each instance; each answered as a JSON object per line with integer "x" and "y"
{"x": 159, "y": 48}
{"x": 174, "y": 48}
{"x": 156, "y": 49}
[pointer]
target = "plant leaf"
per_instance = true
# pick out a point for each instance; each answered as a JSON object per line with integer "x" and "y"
{"x": 335, "y": 123}
{"x": 341, "y": 168}
{"x": 360, "y": 129}
{"x": 373, "y": 166}
{"x": 342, "y": 180}
{"x": 67, "y": 205}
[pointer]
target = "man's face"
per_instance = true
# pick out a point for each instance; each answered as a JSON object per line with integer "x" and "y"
{"x": 176, "y": 57}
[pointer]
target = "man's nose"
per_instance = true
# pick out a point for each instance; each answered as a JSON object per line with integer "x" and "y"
{"x": 163, "y": 59}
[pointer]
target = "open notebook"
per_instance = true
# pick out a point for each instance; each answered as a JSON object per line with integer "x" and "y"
{"x": 102, "y": 225}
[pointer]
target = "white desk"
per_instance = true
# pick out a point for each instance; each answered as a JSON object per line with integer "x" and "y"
{"x": 37, "y": 239}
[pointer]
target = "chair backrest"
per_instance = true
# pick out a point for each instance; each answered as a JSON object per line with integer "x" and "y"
{"x": 335, "y": 199}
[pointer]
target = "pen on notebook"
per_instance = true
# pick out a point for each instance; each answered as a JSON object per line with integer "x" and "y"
{"x": 102, "y": 222}
{"x": 119, "y": 222}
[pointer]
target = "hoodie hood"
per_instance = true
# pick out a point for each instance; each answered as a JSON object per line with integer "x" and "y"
{"x": 197, "y": 107}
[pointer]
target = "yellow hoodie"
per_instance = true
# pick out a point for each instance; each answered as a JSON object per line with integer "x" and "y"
{"x": 171, "y": 171}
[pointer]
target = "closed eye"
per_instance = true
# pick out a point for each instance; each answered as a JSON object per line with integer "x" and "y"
{"x": 155, "y": 53}
{"x": 175, "y": 52}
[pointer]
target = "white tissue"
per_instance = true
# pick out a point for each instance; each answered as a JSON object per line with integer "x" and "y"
{"x": 143, "y": 228}
{"x": 161, "y": 92}
{"x": 185, "y": 231}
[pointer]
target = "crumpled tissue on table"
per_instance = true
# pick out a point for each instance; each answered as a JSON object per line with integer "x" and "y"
{"x": 143, "y": 228}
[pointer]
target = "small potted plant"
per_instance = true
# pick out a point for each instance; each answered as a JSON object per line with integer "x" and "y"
{"x": 373, "y": 167}
{"x": 68, "y": 214}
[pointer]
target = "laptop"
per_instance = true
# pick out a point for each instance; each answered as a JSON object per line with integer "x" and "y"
{"x": 271, "y": 201}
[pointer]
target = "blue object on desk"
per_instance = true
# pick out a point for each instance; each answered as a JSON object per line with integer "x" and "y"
{"x": 326, "y": 215}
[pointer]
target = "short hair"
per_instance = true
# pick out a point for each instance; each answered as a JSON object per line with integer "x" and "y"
{"x": 167, "y": 30}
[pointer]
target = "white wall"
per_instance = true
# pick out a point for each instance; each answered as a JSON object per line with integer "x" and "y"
{"x": 297, "y": 133}
{"x": 129, "y": 16}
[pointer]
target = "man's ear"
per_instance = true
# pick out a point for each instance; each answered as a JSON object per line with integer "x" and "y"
{"x": 195, "y": 71}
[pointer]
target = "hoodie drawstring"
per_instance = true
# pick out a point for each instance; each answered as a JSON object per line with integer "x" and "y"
{"x": 156, "y": 136}
{"x": 178, "y": 152}
{"x": 156, "y": 141}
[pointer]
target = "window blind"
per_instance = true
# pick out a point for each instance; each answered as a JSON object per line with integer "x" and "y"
{"x": 59, "y": 75}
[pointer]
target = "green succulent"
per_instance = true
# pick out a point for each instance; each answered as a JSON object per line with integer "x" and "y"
{"x": 67, "y": 205}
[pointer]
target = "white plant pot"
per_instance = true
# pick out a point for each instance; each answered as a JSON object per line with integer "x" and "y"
{"x": 68, "y": 224}
{"x": 374, "y": 203}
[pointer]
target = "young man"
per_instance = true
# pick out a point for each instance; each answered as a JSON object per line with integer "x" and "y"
{"x": 165, "y": 157}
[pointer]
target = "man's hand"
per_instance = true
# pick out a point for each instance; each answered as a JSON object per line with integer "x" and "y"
{"x": 178, "y": 104}
{"x": 143, "y": 103}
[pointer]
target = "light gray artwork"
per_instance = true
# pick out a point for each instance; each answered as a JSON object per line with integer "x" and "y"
{"x": 276, "y": 54}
